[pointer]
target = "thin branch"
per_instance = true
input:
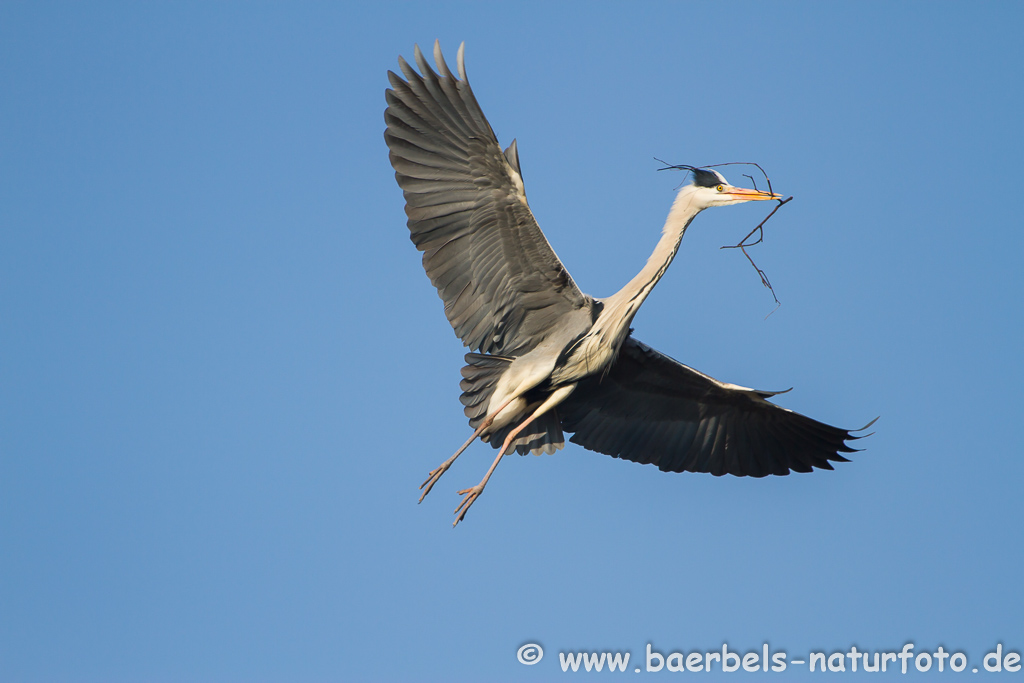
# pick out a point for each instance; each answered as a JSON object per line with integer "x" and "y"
{"x": 747, "y": 163}
{"x": 760, "y": 226}
{"x": 743, "y": 244}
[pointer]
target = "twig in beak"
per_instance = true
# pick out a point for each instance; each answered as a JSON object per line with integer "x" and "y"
{"x": 742, "y": 246}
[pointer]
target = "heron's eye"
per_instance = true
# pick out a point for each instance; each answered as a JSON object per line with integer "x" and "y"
{"x": 720, "y": 188}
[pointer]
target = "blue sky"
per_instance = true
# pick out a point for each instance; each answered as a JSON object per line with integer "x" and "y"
{"x": 223, "y": 373}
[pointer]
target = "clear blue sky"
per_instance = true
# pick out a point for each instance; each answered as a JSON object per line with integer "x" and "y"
{"x": 223, "y": 373}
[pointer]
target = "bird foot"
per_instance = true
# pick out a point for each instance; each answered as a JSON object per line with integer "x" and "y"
{"x": 433, "y": 478}
{"x": 471, "y": 495}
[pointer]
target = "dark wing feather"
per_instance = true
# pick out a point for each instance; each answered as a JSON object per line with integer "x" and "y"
{"x": 650, "y": 408}
{"x": 502, "y": 285}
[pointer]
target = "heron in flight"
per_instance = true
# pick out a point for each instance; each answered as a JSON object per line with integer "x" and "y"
{"x": 548, "y": 358}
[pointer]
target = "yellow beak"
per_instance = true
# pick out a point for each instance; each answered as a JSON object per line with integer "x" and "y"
{"x": 741, "y": 193}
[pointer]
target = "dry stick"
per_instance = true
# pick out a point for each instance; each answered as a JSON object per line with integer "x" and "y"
{"x": 742, "y": 246}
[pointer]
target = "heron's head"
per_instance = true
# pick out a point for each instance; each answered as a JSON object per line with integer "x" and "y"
{"x": 710, "y": 188}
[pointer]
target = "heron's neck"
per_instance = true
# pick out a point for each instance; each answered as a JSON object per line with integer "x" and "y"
{"x": 623, "y": 305}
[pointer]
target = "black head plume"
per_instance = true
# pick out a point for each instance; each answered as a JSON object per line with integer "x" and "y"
{"x": 702, "y": 177}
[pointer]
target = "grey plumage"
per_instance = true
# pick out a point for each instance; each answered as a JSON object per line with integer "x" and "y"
{"x": 479, "y": 378}
{"x": 551, "y": 357}
{"x": 653, "y": 409}
{"x": 503, "y": 287}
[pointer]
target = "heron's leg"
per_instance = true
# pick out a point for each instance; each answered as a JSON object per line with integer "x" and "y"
{"x": 435, "y": 474}
{"x": 472, "y": 494}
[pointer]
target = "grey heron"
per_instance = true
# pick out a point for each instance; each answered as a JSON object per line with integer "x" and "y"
{"x": 548, "y": 358}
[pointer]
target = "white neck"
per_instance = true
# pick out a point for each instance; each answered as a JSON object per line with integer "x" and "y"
{"x": 620, "y": 307}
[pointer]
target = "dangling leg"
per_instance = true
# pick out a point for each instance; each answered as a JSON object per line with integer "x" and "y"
{"x": 435, "y": 475}
{"x": 553, "y": 400}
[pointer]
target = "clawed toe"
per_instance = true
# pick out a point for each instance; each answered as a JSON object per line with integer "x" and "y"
{"x": 471, "y": 494}
{"x": 432, "y": 479}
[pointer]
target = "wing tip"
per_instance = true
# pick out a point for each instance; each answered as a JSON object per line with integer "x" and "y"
{"x": 865, "y": 427}
{"x": 850, "y": 433}
{"x": 461, "y": 61}
{"x": 764, "y": 393}
{"x": 442, "y": 66}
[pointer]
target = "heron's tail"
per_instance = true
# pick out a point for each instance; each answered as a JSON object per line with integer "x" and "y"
{"x": 480, "y": 376}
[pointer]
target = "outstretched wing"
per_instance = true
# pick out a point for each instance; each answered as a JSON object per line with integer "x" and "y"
{"x": 502, "y": 285}
{"x": 653, "y": 409}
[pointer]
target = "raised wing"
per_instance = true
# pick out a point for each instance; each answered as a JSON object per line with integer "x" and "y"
{"x": 502, "y": 285}
{"x": 652, "y": 409}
